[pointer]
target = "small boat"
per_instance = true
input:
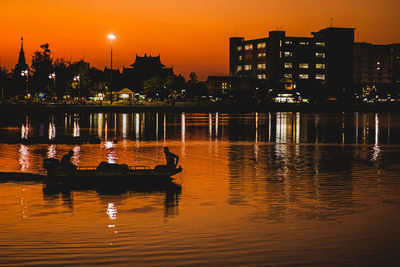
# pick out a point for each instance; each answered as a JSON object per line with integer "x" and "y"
{"x": 108, "y": 173}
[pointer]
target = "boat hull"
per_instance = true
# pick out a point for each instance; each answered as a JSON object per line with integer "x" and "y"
{"x": 95, "y": 177}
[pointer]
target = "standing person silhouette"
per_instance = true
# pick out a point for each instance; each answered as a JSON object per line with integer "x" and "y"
{"x": 172, "y": 159}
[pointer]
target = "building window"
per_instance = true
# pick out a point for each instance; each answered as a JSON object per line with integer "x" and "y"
{"x": 239, "y": 68}
{"x": 288, "y": 75}
{"x": 303, "y": 43}
{"x": 303, "y": 66}
{"x": 239, "y": 48}
{"x": 288, "y": 42}
{"x": 262, "y": 76}
{"x": 303, "y": 76}
{"x": 280, "y": 43}
{"x": 261, "y": 66}
{"x": 288, "y": 65}
{"x": 262, "y": 55}
{"x": 288, "y": 54}
{"x": 224, "y": 85}
{"x": 320, "y": 54}
{"x": 247, "y": 67}
{"x": 261, "y": 45}
{"x": 248, "y": 47}
{"x": 320, "y": 77}
{"x": 249, "y": 56}
{"x": 322, "y": 44}
{"x": 320, "y": 66}
{"x": 240, "y": 57}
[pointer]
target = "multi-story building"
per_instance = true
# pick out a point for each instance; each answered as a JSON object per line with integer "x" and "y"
{"x": 322, "y": 63}
{"x": 377, "y": 69}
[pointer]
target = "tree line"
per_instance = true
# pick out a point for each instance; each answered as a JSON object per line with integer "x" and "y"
{"x": 56, "y": 78}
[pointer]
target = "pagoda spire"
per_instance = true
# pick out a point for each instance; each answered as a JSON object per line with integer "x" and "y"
{"x": 21, "y": 60}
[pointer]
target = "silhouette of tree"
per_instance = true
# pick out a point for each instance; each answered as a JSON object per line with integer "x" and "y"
{"x": 4, "y": 83}
{"x": 79, "y": 80}
{"x": 193, "y": 78}
{"x": 153, "y": 88}
{"x": 195, "y": 89}
{"x": 61, "y": 69}
{"x": 42, "y": 67}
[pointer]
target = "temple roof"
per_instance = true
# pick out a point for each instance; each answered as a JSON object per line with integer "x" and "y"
{"x": 147, "y": 62}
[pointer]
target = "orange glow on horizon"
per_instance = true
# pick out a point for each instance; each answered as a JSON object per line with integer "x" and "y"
{"x": 189, "y": 35}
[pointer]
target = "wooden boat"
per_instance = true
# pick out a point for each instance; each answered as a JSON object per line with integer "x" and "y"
{"x": 105, "y": 174}
{"x": 109, "y": 173}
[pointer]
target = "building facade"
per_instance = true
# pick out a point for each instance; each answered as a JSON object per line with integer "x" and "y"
{"x": 322, "y": 63}
{"x": 377, "y": 69}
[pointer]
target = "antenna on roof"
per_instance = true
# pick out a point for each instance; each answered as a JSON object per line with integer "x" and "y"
{"x": 331, "y": 22}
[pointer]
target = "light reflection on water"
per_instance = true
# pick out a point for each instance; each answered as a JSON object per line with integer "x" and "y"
{"x": 257, "y": 189}
{"x": 280, "y": 127}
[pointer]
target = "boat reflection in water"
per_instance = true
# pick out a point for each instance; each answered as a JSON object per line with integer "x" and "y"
{"x": 171, "y": 191}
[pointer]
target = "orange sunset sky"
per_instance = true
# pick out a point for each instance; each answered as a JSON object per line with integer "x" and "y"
{"x": 189, "y": 35}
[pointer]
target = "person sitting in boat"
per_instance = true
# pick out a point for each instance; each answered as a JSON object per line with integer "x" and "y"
{"x": 172, "y": 159}
{"x": 66, "y": 163}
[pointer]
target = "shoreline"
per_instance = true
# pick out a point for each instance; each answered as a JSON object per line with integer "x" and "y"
{"x": 201, "y": 107}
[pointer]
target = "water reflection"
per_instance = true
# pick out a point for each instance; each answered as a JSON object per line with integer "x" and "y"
{"x": 171, "y": 192}
{"x": 279, "y": 127}
{"x": 300, "y": 181}
{"x": 24, "y": 157}
{"x": 112, "y": 211}
{"x": 76, "y": 130}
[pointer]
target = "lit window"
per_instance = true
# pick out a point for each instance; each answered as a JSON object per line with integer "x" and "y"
{"x": 280, "y": 54}
{"x": 288, "y": 75}
{"x": 261, "y": 66}
{"x": 320, "y": 55}
{"x": 288, "y": 42}
{"x": 320, "y": 76}
{"x": 248, "y": 47}
{"x": 262, "y": 55}
{"x": 224, "y": 85}
{"x": 320, "y": 66}
{"x": 303, "y": 65}
{"x": 288, "y": 54}
{"x": 261, "y": 45}
{"x": 239, "y": 48}
{"x": 247, "y": 67}
{"x": 322, "y": 44}
{"x": 288, "y": 65}
{"x": 240, "y": 57}
{"x": 303, "y": 43}
{"x": 303, "y": 76}
{"x": 280, "y": 43}
{"x": 239, "y": 68}
{"x": 261, "y": 76}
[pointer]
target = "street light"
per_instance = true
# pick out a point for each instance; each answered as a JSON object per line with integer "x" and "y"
{"x": 52, "y": 76}
{"x": 77, "y": 78}
{"x": 111, "y": 37}
{"x": 25, "y": 73}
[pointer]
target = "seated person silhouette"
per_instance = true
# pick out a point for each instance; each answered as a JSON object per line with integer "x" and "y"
{"x": 66, "y": 163}
{"x": 171, "y": 158}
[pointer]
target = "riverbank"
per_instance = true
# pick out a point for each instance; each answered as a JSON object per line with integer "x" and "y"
{"x": 198, "y": 107}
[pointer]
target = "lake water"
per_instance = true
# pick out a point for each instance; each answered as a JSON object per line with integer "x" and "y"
{"x": 258, "y": 189}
